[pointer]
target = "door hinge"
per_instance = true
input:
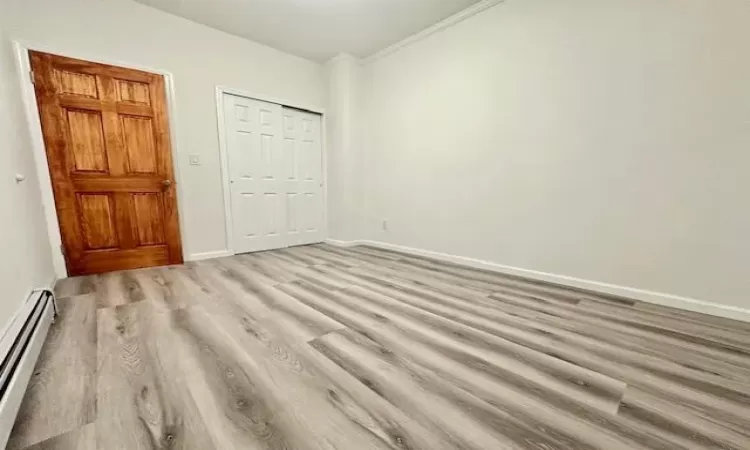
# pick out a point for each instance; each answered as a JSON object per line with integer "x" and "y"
{"x": 62, "y": 250}
{"x": 31, "y": 75}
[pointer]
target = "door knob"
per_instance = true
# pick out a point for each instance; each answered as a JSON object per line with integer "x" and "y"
{"x": 166, "y": 183}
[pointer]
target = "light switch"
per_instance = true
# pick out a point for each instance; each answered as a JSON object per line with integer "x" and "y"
{"x": 195, "y": 160}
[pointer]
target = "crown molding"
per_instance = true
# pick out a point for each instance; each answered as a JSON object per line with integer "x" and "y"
{"x": 442, "y": 25}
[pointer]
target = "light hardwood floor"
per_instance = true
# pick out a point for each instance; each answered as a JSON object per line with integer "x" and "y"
{"x": 321, "y": 347}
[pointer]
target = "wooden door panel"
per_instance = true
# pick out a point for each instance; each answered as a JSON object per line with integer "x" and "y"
{"x": 133, "y": 92}
{"x": 138, "y": 133}
{"x": 86, "y": 151}
{"x": 79, "y": 66}
{"x": 148, "y": 214}
{"x": 101, "y": 262}
{"x": 79, "y": 84}
{"x": 107, "y": 139}
{"x": 98, "y": 221}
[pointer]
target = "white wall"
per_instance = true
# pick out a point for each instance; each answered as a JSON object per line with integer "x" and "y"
{"x": 607, "y": 140}
{"x": 198, "y": 57}
{"x": 26, "y": 261}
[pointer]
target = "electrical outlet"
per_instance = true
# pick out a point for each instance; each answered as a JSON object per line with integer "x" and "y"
{"x": 385, "y": 224}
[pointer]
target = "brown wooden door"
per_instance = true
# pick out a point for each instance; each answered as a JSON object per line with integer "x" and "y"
{"x": 107, "y": 137}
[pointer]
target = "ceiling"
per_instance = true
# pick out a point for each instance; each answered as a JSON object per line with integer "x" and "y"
{"x": 317, "y": 29}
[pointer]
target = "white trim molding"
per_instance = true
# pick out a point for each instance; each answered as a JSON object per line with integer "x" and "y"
{"x": 658, "y": 298}
{"x": 40, "y": 155}
{"x": 266, "y": 98}
{"x": 209, "y": 255}
{"x": 459, "y": 17}
{"x": 339, "y": 243}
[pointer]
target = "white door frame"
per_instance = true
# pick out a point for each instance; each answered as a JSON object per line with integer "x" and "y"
{"x": 223, "y": 153}
{"x": 23, "y": 64}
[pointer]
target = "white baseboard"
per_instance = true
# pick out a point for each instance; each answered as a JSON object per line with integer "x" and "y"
{"x": 209, "y": 255}
{"x": 659, "y": 298}
{"x": 339, "y": 243}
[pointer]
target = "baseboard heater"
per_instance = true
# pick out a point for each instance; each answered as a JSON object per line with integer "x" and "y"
{"x": 20, "y": 346}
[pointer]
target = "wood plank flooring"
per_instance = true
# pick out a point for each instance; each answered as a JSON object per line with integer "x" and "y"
{"x": 320, "y": 347}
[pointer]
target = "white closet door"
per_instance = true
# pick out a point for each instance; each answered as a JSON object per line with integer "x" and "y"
{"x": 256, "y": 167}
{"x": 303, "y": 177}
